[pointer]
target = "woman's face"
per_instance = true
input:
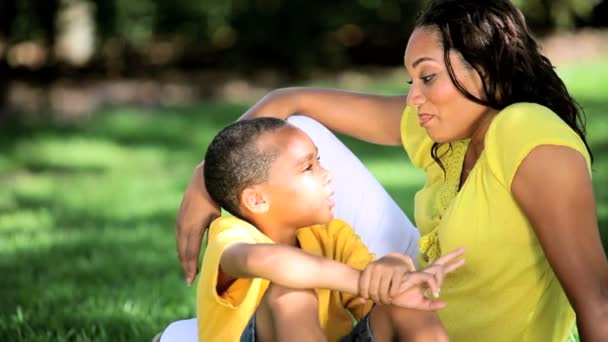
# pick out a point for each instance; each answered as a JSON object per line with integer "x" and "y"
{"x": 444, "y": 112}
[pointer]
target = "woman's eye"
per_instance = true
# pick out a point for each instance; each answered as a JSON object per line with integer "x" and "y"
{"x": 308, "y": 168}
{"x": 428, "y": 78}
{"x": 425, "y": 79}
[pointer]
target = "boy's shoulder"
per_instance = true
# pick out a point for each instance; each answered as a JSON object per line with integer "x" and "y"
{"x": 333, "y": 227}
{"x": 236, "y": 227}
{"x": 336, "y": 240}
{"x": 336, "y": 232}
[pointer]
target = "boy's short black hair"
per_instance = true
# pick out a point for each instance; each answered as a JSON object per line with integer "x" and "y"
{"x": 235, "y": 161}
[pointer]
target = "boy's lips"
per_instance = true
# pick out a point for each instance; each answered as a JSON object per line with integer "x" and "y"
{"x": 330, "y": 199}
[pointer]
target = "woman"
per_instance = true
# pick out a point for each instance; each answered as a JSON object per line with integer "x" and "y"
{"x": 507, "y": 166}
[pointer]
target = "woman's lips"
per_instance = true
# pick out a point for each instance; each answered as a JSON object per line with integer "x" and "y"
{"x": 424, "y": 119}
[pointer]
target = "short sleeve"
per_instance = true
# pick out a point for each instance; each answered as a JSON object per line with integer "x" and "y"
{"x": 224, "y": 232}
{"x": 350, "y": 250}
{"x": 520, "y": 128}
{"x": 416, "y": 141}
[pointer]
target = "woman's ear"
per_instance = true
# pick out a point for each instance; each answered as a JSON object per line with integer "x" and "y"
{"x": 255, "y": 200}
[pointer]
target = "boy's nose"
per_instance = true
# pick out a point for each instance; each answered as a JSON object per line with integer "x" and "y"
{"x": 326, "y": 176}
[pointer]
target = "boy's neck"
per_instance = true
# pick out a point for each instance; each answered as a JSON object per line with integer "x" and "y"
{"x": 278, "y": 233}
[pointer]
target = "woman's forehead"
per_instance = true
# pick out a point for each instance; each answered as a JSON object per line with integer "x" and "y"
{"x": 424, "y": 43}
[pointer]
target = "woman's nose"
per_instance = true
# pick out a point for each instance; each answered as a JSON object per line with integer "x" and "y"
{"x": 415, "y": 98}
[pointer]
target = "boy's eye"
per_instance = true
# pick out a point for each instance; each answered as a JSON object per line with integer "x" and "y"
{"x": 310, "y": 166}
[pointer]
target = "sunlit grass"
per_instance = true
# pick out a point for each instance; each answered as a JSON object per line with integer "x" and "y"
{"x": 87, "y": 249}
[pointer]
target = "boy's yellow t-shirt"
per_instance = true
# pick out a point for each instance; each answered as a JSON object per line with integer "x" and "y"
{"x": 507, "y": 290}
{"x": 223, "y": 318}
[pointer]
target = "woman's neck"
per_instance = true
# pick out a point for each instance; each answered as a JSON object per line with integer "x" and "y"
{"x": 477, "y": 143}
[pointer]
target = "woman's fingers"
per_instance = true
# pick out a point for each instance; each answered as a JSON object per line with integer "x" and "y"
{"x": 450, "y": 256}
{"x": 420, "y": 279}
{"x": 449, "y": 268}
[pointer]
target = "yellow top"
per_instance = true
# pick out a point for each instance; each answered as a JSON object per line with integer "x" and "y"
{"x": 507, "y": 290}
{"x": 223, "y": 318}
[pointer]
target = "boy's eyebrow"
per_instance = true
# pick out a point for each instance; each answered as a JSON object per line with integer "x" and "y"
{"x": 308, "y": 157}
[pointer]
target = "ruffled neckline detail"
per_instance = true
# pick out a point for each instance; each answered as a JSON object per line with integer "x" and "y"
{"x": 452, "y": 159}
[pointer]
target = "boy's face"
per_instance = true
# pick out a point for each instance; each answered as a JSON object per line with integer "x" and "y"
{"x": 299, "y": 188}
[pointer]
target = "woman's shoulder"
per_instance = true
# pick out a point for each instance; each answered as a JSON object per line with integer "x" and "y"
{"x": 518, "y": 129}
{"x": 415, "y": 140}
{"x": 529, "y": 124}
{"x": 527, "y": 116}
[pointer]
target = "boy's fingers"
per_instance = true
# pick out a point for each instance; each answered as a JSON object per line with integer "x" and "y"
{"x": 374, "y": 286}
{"x": 396, "y": 283}
{"x": 364, "y": 283}
{"x": 408, "y": 261}
{"x": 383, "y": 290}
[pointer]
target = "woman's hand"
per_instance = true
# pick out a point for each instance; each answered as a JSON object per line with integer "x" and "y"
{"x": 415, "y": 288}
{"x": 388, "y": 277}
{"x": 196, "y": 212}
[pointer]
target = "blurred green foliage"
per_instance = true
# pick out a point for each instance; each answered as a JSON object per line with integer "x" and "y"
{"x": 245, "y": 33}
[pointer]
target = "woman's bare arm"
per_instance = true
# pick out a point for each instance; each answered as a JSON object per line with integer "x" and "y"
{"x": 553, "y": 187}
{"x": 196, "y": 212}
{"x": 368, "y": 117}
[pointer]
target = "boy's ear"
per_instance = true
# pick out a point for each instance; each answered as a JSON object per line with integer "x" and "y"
{"x": 255, "y": 200}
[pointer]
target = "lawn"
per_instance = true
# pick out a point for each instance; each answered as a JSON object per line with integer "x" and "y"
{"x": 87, "y": 209}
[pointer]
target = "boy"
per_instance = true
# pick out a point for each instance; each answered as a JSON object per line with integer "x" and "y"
{"x": 267, "y": 279}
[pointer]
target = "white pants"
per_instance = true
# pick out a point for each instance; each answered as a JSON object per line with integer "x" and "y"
{"x": 360, "y": 200}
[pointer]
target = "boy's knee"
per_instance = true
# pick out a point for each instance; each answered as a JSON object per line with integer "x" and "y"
{"x": 280, "y": 298}
{"x": 413, "y": 325}
{"x": 423, "y": 325}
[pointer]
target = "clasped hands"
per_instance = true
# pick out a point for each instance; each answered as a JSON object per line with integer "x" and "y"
{"x": 393, "y": 279}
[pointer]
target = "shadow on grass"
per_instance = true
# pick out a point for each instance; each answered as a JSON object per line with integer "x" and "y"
{"x": 111, "y": 281}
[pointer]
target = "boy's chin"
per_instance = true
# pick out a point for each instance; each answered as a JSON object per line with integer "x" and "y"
{"x": 322, "y": 220}
{"x": 327, "y": 219}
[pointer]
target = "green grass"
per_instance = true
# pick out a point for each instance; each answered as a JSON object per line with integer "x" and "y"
{"x": 87, "y": 248}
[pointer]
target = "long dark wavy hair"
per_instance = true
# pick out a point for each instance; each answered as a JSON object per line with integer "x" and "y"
{"x": 493, "y": 38}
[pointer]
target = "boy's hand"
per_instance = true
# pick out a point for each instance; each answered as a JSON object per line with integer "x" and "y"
{"x": 381, "y": 280}
{"x": 414, "y": 291}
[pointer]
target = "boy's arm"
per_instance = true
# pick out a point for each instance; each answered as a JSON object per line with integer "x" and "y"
{"x": 288, "y": 266}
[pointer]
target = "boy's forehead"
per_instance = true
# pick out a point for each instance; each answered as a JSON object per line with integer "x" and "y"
{"x": 289, "y": 141}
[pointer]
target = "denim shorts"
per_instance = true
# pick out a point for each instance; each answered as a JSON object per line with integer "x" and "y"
{"x": 360, "y": 333}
